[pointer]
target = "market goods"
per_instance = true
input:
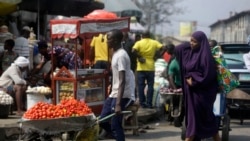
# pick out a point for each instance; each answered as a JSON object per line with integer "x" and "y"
{"x": 39, "y": 90}
{"x": 67, "y": 86}
{"x": 5, "y": 99}
{"x": 66, "y": 108}
{"x": 91, "y": 84}
{"x": 66, "y": 95}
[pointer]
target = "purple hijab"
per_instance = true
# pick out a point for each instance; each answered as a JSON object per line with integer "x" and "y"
{"x": 199, "y": 98}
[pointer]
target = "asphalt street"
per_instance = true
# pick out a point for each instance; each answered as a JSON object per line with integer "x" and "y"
{"x": 163, "y": 131}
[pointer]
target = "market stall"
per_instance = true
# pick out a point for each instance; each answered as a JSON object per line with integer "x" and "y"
{"x": 72, "y": 118}
{"x": 67, "y": 116}
{"x": 83, "y": 83}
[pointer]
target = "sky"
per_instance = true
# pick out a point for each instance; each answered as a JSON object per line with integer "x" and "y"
{"x": 205, "y": 12}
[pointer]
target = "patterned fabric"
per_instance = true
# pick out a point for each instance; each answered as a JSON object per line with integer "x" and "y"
{"x": 227, "y": 81}
{"x": 66, "y": 57}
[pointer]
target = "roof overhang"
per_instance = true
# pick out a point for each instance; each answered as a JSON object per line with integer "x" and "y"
{"x": 61, "y": 7}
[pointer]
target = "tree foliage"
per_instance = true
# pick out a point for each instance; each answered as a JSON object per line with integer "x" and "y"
{"x": 157, "y": 11}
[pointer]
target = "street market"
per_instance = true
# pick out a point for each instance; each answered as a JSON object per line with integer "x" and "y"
{"x": 88, "y": 70}
{"x": 83, "y": 83}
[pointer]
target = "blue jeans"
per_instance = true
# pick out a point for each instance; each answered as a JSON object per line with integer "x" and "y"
{"x": 115, "y": 128}
{"x": 142, "y": 77}
{"x": 101, "y": 64}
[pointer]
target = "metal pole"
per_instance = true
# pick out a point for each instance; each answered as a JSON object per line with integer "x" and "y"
{"x": 38, "y": 19}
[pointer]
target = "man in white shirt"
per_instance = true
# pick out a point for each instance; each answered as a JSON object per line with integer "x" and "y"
{"x": 12, "y": 82}
{"x": 122, "y": 92}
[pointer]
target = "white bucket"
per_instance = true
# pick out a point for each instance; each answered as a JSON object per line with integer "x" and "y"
{"x": 33, "y": 99}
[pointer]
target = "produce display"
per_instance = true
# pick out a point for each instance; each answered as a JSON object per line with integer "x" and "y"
{"x": 67, "y": 86}
{"x": 66, "y": 95}
{"x": 5, "y": 99}
{"x": 66, "y": 91}
{"x": 90, "y": 84}
{"x": 66, "y": 108}
{"x": 93, "y": 96}
{"x": 39, "y": 90}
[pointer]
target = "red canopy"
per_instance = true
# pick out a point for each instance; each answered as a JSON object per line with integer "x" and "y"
{"x": 101, "y": 14}
{"x": 99, "y": 21}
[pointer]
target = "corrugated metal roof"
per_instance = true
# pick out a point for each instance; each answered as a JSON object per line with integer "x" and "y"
{"x": 119, "y": 5}
{"x": 237, "y": 15}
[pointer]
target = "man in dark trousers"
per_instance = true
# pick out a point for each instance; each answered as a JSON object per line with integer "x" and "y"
{"x": 122, "y": 92}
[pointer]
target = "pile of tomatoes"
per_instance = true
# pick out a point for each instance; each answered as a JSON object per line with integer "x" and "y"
{"x": 66, "y": 108}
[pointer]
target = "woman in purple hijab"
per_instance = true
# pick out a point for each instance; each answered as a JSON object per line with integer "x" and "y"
{"x": 199, "y": 84}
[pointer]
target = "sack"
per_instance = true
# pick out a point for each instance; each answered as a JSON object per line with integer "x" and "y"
{"x": 227, "y": 81}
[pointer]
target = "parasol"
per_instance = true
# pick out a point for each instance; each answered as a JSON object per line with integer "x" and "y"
{"x": 101, "y": 14}
{"x": 8, "y": 6}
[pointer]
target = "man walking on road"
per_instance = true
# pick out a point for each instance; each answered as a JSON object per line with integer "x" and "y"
{"x": 121, "y": 95}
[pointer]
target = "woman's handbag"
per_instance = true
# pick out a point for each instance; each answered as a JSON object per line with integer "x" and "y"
{"x": 226, "y": 79}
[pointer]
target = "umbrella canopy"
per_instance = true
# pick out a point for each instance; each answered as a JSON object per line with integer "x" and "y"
{"x": 101, "y": 14}
{"x": 8, "y": 6}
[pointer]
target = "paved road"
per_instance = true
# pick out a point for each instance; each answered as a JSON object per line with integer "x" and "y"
{"x": 162, "y": 131}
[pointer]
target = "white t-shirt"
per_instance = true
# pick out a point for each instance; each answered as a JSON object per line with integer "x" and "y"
{"x": 121, "y": 62}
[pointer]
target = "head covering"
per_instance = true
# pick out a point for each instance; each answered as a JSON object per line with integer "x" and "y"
{"x": 203, "y": 54}
{"x": 26, "y": 28}
{"x": 197, "y": 63}
{"x": 22, "y": 61}
{"x": 182, "y": 50}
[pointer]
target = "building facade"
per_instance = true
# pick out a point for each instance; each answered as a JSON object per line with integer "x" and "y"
{"x": 234, "y": 29}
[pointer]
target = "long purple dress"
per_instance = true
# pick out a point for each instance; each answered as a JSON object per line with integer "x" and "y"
{"x": 199, "y": 98}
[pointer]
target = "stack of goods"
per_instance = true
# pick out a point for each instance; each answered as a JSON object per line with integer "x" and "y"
{"x": 37, "y": 94}
{"x": 66, "y": 91}
{"x": 48, "y": 119}
{"x": 5, "y": 103}
{"x": 38, "y": 90}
